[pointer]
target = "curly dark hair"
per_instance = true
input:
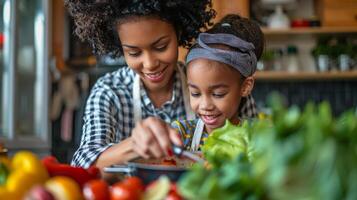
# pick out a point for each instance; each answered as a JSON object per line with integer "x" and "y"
{"x": 243, "y": 28}
{"x": 95, "y": 20}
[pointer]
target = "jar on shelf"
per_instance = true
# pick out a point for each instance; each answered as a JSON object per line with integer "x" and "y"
{"x": 278, "y": 60}
{"x": 291, "y": 59}
{"x": 266, "y": 61}
{"x": 344, "y": 62}
{"x": 321, "y": 54}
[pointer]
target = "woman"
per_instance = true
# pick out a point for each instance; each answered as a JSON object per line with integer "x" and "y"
{"x": 128, "y": 111}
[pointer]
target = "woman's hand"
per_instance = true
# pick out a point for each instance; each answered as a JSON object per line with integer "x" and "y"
{"x": 152, "y": 137}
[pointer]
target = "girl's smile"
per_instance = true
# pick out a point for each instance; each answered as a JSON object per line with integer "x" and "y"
{"x": 210, "y": 119}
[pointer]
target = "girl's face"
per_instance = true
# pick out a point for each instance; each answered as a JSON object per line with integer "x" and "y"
{"x": 150, "y": 48}
{"x": 215, "y": 92}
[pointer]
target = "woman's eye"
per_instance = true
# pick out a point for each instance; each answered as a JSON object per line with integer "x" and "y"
{"x": 134, "y": 54}
{"x": 219, "y": 95}
{"x": 161, "y": 48}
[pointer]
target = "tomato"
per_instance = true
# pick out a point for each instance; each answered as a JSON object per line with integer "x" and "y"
{"x": 96, "y": 190}
{"x": 120, "y": 191}
{"x": 173, "y": 187}
{"x": 134, "y": 183}
{"x": 173, "y": 196}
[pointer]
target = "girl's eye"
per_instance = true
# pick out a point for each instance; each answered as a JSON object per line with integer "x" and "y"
{"x": 195, "y": 94}
{"x": 219, "y": 95}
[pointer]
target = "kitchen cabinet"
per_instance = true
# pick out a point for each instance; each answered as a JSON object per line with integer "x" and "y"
{"x": 308, "y": 84}
{"x": 305, "y": 39}
{"x": 24, "y": 93}
{"x": 337, "y": 13}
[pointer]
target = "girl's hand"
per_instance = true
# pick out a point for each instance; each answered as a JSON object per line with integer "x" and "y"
{"x": 152, "y": 137}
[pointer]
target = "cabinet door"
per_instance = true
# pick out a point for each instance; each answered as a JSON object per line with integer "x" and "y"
{"x": 224, "y": 7}
{"x": 337, "y": 13}
{"x": 24, "y": 79}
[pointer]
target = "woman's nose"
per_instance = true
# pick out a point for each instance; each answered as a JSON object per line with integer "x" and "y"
{"x": 150, "y": 61}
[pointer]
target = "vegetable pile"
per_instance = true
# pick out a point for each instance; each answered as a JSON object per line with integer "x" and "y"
{"x": 293, "y": 154}
{"x": 25, "y": 176}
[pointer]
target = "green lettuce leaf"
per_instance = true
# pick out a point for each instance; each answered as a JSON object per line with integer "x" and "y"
{"x": 226, "y": 143}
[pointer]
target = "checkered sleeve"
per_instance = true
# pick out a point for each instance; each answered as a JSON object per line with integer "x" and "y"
{"x": 248, "y": 108}
{"x": 107, "y": 120}
{"x": 98, "y": 128}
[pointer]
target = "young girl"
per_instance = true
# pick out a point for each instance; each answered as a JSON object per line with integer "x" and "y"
{"x": 127, "y": 111}
{"x": 220, "y": 70}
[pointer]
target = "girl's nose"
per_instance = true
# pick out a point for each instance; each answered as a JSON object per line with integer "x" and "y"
{"x": 206, "y": 104}
{"x": 150, "y": 61}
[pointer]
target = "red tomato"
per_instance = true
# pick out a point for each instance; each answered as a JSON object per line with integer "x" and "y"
{"x": 173, "y": 196}
{"x": 120, "y": 191}
{"x": 173, "y": 187}
{"x": 96, "y": 190}
{"x": 135, "y": 183}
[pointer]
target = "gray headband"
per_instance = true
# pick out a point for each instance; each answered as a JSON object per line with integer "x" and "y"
{"x": 243, "y": 60}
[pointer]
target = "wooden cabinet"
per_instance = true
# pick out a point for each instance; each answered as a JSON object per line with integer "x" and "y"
{"x": 224, "y": 7}
{"x": 337, "y": 13}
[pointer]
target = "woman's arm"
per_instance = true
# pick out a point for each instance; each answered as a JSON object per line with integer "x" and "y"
{"x": 104, "y": 125}
{"x": 116, "y": 154}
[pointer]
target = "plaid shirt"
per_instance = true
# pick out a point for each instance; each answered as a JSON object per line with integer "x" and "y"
{"x": 108, "y": 117}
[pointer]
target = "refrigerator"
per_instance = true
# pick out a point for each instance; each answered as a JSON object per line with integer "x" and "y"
{"x": 24, "y": 75}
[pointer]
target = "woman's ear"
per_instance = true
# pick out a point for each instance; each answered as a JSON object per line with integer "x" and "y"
{"x": 247, "y": 86}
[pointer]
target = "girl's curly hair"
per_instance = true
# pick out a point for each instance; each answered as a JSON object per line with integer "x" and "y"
{"x": 243, "y": 28}
{"x": 95, "y": 20}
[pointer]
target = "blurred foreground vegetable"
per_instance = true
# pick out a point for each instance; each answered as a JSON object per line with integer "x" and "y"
{"x": 80, "y": 175}
{"x": 26, "y": 171}
{"x": 295, "y": 154}
{"x": 64, "y": 188}
{"x": 96, "y": 189}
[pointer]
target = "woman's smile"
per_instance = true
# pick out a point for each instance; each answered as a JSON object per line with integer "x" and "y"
{"x": 156, "y": 76}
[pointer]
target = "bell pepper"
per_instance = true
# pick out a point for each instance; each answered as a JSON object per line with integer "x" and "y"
{"x": 5, "y": 166}
{"x": 80, "y": 175}
{"x": 64, "y": 188}
{"x": 26, "y": 171}
{"x": 4, "y": 173}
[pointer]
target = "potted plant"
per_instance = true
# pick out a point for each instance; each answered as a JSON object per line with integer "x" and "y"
{"x": 322, "y": 55}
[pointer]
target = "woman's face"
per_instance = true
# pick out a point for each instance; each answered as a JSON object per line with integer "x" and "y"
{"x": 150, "y": 48}
{"x": 215, "y": 92}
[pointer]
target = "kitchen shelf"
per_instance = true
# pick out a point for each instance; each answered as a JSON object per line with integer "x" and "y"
{"x": 313, "y": 76}
{"x": 310, "y": 30}
{"x": 87, "y": 61}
